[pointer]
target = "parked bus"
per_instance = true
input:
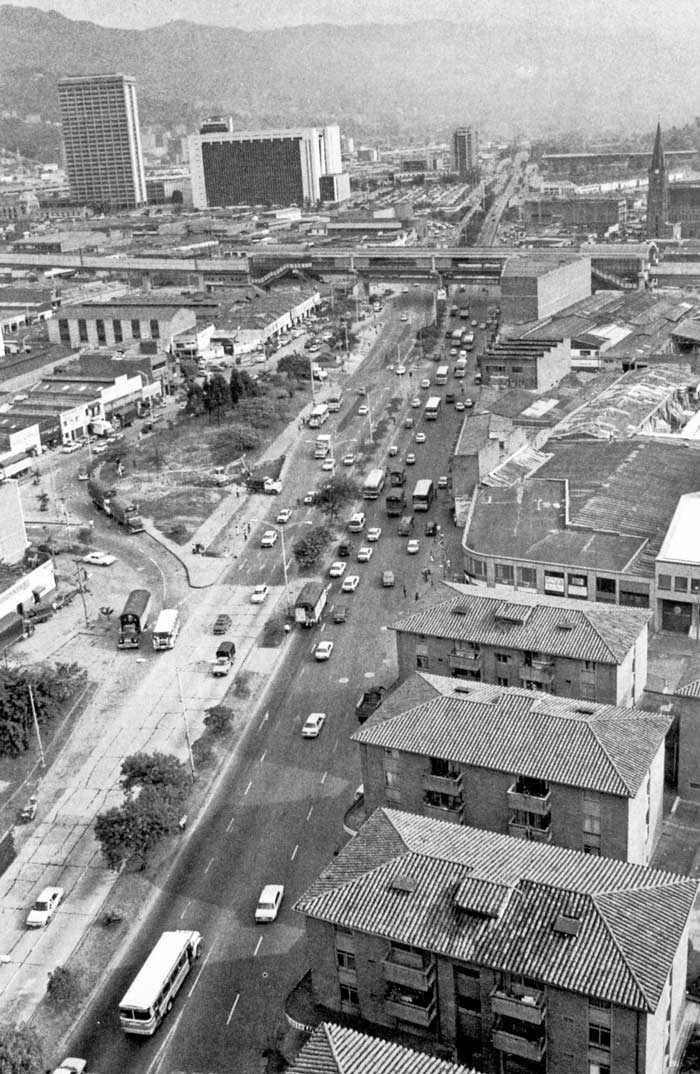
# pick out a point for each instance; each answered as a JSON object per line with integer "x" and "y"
{"x": 166, "y": 630}
{"x": 432, "y": 408}
{"x": 318, "y": 416}
{"x": 150, "y": 995}
{"x": 441, "y": 374}
{"x": 423, "y": 495}
{"x": 373, "y": 485}
{"x": 334, "y": 401}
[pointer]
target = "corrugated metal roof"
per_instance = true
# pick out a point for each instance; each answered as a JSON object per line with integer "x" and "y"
{"x": 631, "y": 919}
{"x": 334, "y": 1049}
{"x": 604, "y": 748}
{"x": 604, "y": 633}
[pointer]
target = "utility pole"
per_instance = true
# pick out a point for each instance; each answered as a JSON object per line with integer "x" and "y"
{"x": 187, "y": 726}
{"x": 36, "y": 728}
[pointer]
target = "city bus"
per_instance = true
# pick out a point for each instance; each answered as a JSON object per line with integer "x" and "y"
{"x": 423, "y": 495}
{"x": 150, "y": 995}
{"x": 441, "y": 374}
{"x": 318, "y": 416}
{"x": 432, "y": 408}
{"x": 166, "y": 630}
{"x": 373, "y": 485}
{"x": 334, "y": 401}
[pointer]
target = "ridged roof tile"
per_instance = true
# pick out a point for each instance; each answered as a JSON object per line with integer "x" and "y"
{"x": 334, "y": 1049}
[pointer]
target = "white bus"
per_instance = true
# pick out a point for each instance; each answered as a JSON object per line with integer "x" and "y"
{"x": 373, "y": 484}
{"x": 318, "y": 416}
{"x": 441, "y": 374}
{"x": 150, "y": 995}
{"x": 423, "y": 495}
{"x": 334, "y": 401}
{"x": 166, "y": 630}
{"x": 432, "y": 408}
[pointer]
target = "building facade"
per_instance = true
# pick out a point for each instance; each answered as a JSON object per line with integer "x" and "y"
{"x": 113, "y": 323}
{"x": 465, "y": 152}
{"x": 282, "y": 167}
{"x": 584, "y": 650}
{"x": 533, "y": 287}
{"x": 657, "y": 192}
{"x": 552, "y": 770}
{"x": 532, "y": 364}
{"x": 519, "y": 957}
{"x": 102, "y": 141}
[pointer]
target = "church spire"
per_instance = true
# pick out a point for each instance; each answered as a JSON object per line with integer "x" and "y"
{"x": 658, "y": 164}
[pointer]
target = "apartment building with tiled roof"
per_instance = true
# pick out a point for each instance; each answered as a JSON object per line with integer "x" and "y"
{"x": 596, "y": 652}
{"x": 516, "y": 955}
{"x": 581, "y": 775}
{"x": 335, "y": 1049}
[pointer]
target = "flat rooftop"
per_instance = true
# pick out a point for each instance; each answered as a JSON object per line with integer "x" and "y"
{"x": 681, "y": 544}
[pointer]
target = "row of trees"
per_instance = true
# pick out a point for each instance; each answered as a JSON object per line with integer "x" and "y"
{"x": 330, "y": 499}
{"x": 217, "y": 394}
{"x": 49, "y": 687}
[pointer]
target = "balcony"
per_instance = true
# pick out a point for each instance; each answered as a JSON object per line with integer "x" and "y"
{"x": 465, "y": 659}
{"x": 528, "y": 1008}
{"x": 525, "y": 1048}
{"x": 411, "y": 974}
{"x": 538, "y": 671}
{"x": 526, "y": 831}
{"x": 441, "y": 812}
{"x": 406, "y": 1011}
{"x": 527, "y": 802}
{"x": 451, "y": 785}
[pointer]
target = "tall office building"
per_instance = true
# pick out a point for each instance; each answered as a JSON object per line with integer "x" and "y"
{"x": 281, "y": 167}
{"x": 102, "y": 140}
{"x": 465, "y": 151}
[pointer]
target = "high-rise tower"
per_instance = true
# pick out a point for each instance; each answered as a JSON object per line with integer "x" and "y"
{"x": 465, "y": 152}
{"x": 657, "y": 194}
{"x": 102, "y": 140}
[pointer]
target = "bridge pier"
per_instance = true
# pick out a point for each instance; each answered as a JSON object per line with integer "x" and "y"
{"x": 146, "y": 281}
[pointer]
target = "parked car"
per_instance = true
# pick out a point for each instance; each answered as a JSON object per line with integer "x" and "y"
{"x": 410, "y": 459}
{"x": 222, "y": 623}
{"x": 400, "y": 370}
{"x": 313, "y": 725}
{"x": 442, "y": 482}
{"x": 269, "y": 903}
{"x": 99, "y": 559}
{"x": 393, "y": 450}
{"x": 268, "y": 539}
{"x": 44, "y": 907}
{"x": 425, "y": 383}
{"x": 431, "y": 528}
{"x": 363, "y": 410}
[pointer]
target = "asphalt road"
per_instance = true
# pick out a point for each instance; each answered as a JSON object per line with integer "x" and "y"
{"x": 277, "y": 814}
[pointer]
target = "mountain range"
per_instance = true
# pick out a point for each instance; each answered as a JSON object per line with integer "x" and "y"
{"x": 506, "y": 72}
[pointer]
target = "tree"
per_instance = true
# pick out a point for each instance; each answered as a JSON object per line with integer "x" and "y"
{"x": 337, "y": 492}
{"x": 51, "y": 688}
{"x": 13, "y": 738}
{"x": 20, "y": 1051}
{"x": 309, "y": 549}
{"x": 62, "y": 988}
{"x": 261, "y": 413}
{"x": 134, "y": 829}
{"x": 195, "y": 398}
{"x": 218, "y": 719}
{"x": 295, "y": 365}
{"x": 161, "y": 770}
{"x": 218, "y": 396}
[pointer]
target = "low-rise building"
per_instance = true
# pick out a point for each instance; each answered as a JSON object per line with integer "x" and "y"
{"x": 335, "y": 1049}
{"x": 554, "y": 770}
{"x": 533, "y": 287}
{"x": 99, "y": 324}
{"x": 566, "y": 647}
{"x": 515, "y": 362}
{"x": 514, "y": 954}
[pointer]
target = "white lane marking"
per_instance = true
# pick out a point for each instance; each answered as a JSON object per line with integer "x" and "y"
{"x": 335, "y": 745}
{"x": 187, "y": 906}
{"x": 257, "y": 946}
{"x": 247, "y": 788}
{"x": 210, "y": 952}
{"x": 235, "y": 1004}
{"x": 262, "y": 723}
{"x": 264, "y": 754}
{"x": 230, "y": 825}
{"x": 211, "y": 862}
{"x": 294, "y": 852}
{"x": 323, "y": 778}
{"x": 308, "y": 815}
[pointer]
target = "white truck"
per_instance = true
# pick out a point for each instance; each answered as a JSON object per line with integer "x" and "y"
{"x": 101, "y": 427}
{"x": 310, "y": 604}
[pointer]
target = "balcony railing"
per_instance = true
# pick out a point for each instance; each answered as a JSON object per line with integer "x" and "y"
{"x": 420, "y": 977}
{"x": 465, "y": 659}
{"x": 528, "y": 1008}
{"x": 533, "y": 1050}
{"x": 412, "y": 1012}
{"x": 453, "y": 813}
{"x": 525, "y": 802}
{"x": 442, "y": 784}
{"x": 537, "y": 671}
{"x": 527, "y": 831}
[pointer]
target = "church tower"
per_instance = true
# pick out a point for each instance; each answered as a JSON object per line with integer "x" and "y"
{"x": 657, "y": 195}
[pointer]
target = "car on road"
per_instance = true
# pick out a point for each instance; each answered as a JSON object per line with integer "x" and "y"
{"x": 340, "y": 613}
{"x": 408, "y": 422}
{"x": 99, "y": 559}
{"x": 400, "y": 370}
{"x": 431, "y": 528}
{"x": 259, "y": 593}
{"x": 468, "y": 403}
{"x": 442, "y": 481}
{"x": 323, "y": 650}
{"x": 413, "y": 546}
{"x": 337, "y": 569}
{"x": 475, "y": 324}
{"x": 363, "y": 410}
{"x": 344, "y": 549}
{"x": 482, "y": 326}
{"x": 222, "y": 623}
{"x": 425, "y": 383}
{"x": 459, "y": 405}
{"x": 349, "y": 459}
{"x": 416, "y": 403}
{"x": 365, "y": 554}
{"x": 268, "y": 538}
{"x": 328, "y": 465}
{"x": 68, "y": 449}
{"x": 44, "y": 907}
{"x": 420, "y": 438}
{"x": 350, "y": 583}
{"x": 313, "y": 725}
{"x": 393, "y": 450}
{"x": 284, "y": 516}
{"x": 410, "y": 459}
{"x": 310, "y": 497}
{"x": 269, "y": 902}
{"x": 357, "y": 522}
{"x": 404, "y": 316}
{"x": 70, "y": 1065}
{"x": 388, "y": 578}
{"x": 374, "y": 533}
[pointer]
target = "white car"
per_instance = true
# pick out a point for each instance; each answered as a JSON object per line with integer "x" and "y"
{"x": 337, "y": 569}
{"x": 68, "y": 449}
{"x": 365, "y": 554}
{"x": 459, "y": 405}
{"x": 442, "y": 482}
{"x": 349, "y": 459}
{"x": 313, "y": 725}
{"x": 410, "y": 459}
{"x": 71, "y": 1065}
{"x": 363, "y": 410}
{"x": 475, "y": 324}
{"x": 400, "y": 370}
{"x": 413, "y": 546}
{"x": 99, "y": 559}
{"x": 259, "y": 593}
{"x": 323, "y": 650}
{"x": 425, "y": 383}
{"x": 269, "y": 538}
{"x": 328, "y": 465}
{"x": 374, "y": 533}
{"x": 351, "y": 583}
{"x": 393, "y": 450}
{"x": 420, "y": 438}
{"x": 284, "y": 516}
{"x": 99, "y": 450}
{"x": 269, "y": 902}
{"x": 44, "y": 908}
{"x": 468, "y": 403}
{"x": 416, "y": 403}
{"x": 404, "y": 316}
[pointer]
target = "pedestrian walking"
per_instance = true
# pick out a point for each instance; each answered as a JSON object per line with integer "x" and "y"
{"x": 404, "y": 592}
{"x": 416, "y": 595}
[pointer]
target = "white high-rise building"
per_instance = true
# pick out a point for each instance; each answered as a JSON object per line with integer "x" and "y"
{"x": 465, "y": 150}
{"x": 102, "y": 140}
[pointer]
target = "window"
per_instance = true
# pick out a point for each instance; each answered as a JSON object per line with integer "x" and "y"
{"x": 680, "y": 584}
{"x": 605, "y": 589}
{"x": 117, "y": 329}
{"x": 392, "y": 788}
{"x": 349, "y": 996}
{"x": 476, "y": 567}
{"x": 155, "y": 330}
{"x": 527, "y": 577}
{"x": 422, "y": 661}
{"x": 82, "y": 330}
{"x": 436, "y": 800}
{"x": 505, "y": 573}
{"x": 446, "y": 769}
{"x": 591, "y": 814}
{"x": 599, "y": 1023}
{"x": 136, "y": 328}
{"x": 664, "y": 581}
{"x": 695, "y": 585}
{"x": 345, "y": 960}
{"x": 63, "y": 330}
{"x": 598, "y": 1068}
{"x": 100, "y": 327}
{"x": 501, "y": 680}
{"x": 502, "y": 658}
{"x": 589, "y": 665}
{"x": 599, "y": 1037}
{"x": 469, "y": 1003}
